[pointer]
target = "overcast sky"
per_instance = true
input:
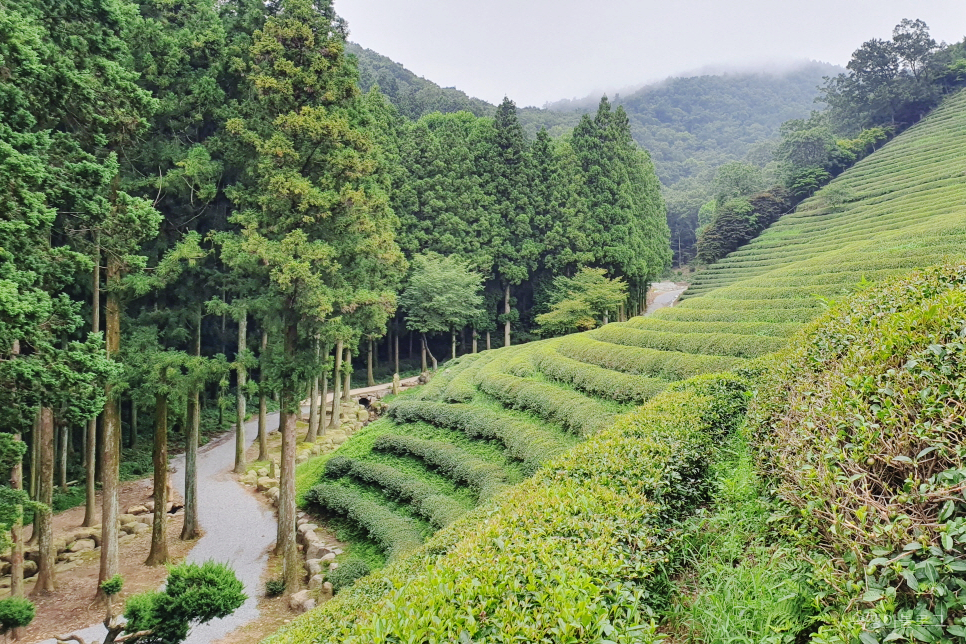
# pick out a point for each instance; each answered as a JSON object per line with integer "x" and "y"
{"x": 537, "y": 51}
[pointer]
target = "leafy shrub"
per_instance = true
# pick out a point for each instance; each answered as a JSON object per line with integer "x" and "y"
{"x": 274, "y": 587}
{"x": 738, "y": 221}
{"x": 396, "y": 534}
{"x": 594, "y": 380}
{"x": 727, "y": 344}
{"x": 568, "y": 555}
{"x": 575, "y": 413}
{"x": 347, "y": 573}
{"x": 425, "y": 499}
{"x": 863, "y": 426}
{"x": 485, "y": 478}
{"x": 524, "y": 441}
{"x": 15, "y": 612}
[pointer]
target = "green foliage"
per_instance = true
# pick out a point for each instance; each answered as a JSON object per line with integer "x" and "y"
{"x": 15, "y": 612}
{"x": 193, "y": 593}
{"x": 441, "y": 294}
{"x": 738, "y": 221}
{"x": 275, "y": 587}
{"x": 396, "y": 534}
{"x": 486, "y": 479}
{"x": 347, "y": 573}
{"x": 584, "y": 536}
{"x": 528, "y": 442}
{"x": 578, "y": 301}
{"x": 439, "y": 509}
{"x": 112, "y": 586}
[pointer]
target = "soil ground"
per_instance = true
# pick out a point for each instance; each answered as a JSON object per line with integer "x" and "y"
{"x": 71, "y": 606}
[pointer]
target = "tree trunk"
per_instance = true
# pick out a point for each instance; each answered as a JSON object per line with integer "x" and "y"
{"x": 285, "y": 540}
{"x": 240, "y": 438}
{"x": 411, "y": 346}
{"x": 159, "y": 531}
{"x": 488, "y": 345}
{"x": 64, "y": 443}
{"x": 453, "y": 345}
{"x": 324, "y": 394}
{"x": 110, "y": 471}
{"x": 90, "y": 440}
{"x": 423, "y": 352}
{"x": 43, "y": 518}
{"x": 134, "y": 423}
{"x": 506, "y": 312}
{"x": 347, "y": 388}
{"x": 262, "y": 402}
{"x": 475, "y": 338}
{"x": 431, "y": 356}
{"x": 335, "y": 421}
{"x": 190, "y": 529}
{"x": 396, "y": 350}
{"x": 369, "y": 379}
{"x": 16, "y": 532}
{"x": 605, "y": 319}
{"x": 313, "y": 433}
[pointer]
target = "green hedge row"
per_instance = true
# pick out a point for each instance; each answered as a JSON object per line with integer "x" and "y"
{"x": 439, "y": 509}
{"x": 574, "y": 412}
{"x": 524, "y": 441}
{"x": 433, "y": 390}
{"x": 462, "y": 386}
{"x": 396, "y": 534}
{"x": 484, "y": 478}
{"x": 594, "y": 380}
{"x": 721, "y": 344}
{"x": 568, "y": 556}
{"x": 665, "y": 365}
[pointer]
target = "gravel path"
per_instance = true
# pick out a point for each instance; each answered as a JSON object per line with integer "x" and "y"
{"x": 667, "y": 294}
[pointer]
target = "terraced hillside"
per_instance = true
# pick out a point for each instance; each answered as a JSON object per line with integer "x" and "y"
{"x": 490, "y": 420}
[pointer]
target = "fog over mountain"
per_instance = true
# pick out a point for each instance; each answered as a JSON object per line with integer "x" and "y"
{"x": 537, "y": 51}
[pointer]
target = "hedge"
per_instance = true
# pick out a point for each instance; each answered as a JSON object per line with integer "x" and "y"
{"x": 396, "y": 534}
{"x": 439, "y": 509}
{"x": 727, "y": 344}
{"x": 568, "y": 556}
{"x": 574, "y": 412}
{"x": 484, "y": 478}
{"x": 666, "y": 365}
{"x": 524, "y": 441}
{"x": 594, "y": 380}
{"x": 462, "y": 386}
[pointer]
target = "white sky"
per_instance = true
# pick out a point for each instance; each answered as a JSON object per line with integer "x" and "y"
{"x": 537, "y": 51}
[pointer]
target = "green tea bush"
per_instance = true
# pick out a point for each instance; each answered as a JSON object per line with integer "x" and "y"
{"x": 569, "y": 555}
{"x": 396, "y": 534}
{"x": 862, "y": 424}
{"x": 593, "y": 380}
{"x": 275, "y": 587}
{"x": 524, "y": 441}
{"x": 15, "y": 612}
{"x": 727, "y": 344}
{"x": 439, "y": 509}
{"x": 486, "y": 479}
{"x": 347, "y": 573}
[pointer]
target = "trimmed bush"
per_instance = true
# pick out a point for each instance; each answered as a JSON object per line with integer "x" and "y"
{"x": 575, "y": 413}
{"x": 486, "y": 479}
{"x": 347, "y": 573}
{"x": 594, "y": 380}
{"x": 396, "y": 534}
{"x": 726, "y": 344}
{"x": 439, "y": 509}
{"x": 569, "y": 555}
{"x": 524, "y": 441}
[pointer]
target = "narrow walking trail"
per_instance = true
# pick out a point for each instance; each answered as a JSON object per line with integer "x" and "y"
{"x": 667, "y": 293}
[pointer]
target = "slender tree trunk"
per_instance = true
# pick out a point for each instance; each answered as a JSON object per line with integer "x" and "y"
{"x": 110, "y": 471}
{"x": 488, "y": 342}
{"x": 453, "y": 345}
{"x": 285, "y": 541}
{"x": 422, "y": 341}
{"x": 134, "y": 422}
{"x": 90, "y": 440}
{"x": 262, "y": 402}
{"x": 431, "y": 356}
{"x": 369, "y": 379}
{"x": 159, "y": 531}
{"x": 64, "y": 443}
{"x": 335, "y": 421}
{"x": 347, "y": 388}
{"x": 411, "y": 347}
{"x": 605, "y": 319}
{"x": 476, "y": 337}
{"x": 16, "y": 532}
{"x": 43, "y": 519}
{"x": 240, "y": 438}
{"x": 324, "y": 394}
{"x": 32, "y": 492}
{"x": 506, "y": 312}
{"x": 396, "y": 350}
{"x": 190, "y": 528}
{"x": 313, "y": 433}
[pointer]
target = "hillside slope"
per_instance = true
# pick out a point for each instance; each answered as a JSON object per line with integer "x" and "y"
{"x": 493, "y": 418}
